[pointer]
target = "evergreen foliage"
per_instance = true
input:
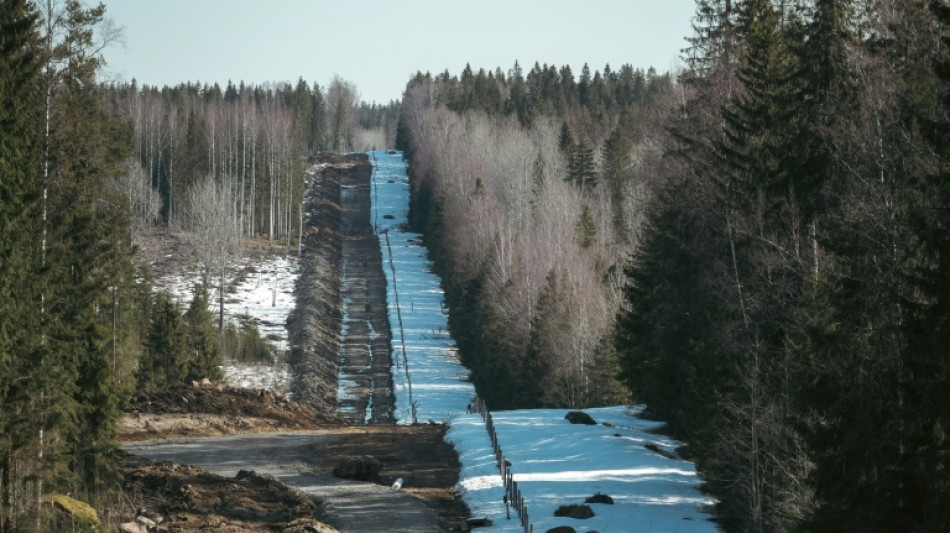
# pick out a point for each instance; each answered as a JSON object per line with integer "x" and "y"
{"x": 782, "y": 310}
{"x": 64, "y": 367}
{"x": 202, "y": 338}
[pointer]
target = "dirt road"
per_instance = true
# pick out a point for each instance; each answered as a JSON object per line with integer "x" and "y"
{"x": 366, "y": 383}
{"x": 304, "y": 461}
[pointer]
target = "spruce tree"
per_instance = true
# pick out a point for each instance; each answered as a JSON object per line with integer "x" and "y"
{"x": 203, "y": 346}
{"x": 581, "y": 169}
{"x": 19, "y": 70}
{"x": 165, "y": 361}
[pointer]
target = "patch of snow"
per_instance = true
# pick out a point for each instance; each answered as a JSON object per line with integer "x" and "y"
{"x": 267, "y": 296}
{"x": 557, "y": 463}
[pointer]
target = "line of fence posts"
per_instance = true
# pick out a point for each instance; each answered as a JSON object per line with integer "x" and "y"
{"x": 513, "y": 496}
{"x": 402, "y": 332}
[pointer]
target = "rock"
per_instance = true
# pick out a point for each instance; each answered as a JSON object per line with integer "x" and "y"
{"x": 132, "y": 527}
{"x": 600, "y": 498}
{"x": 205, "y": 382}
{"x": 314, "y": 527}
{"x": 82, "y": 512}
{"x": 580, "y": 417}
{"x": 575, "y": 511}
{"x": 479, "y": 522}
{"x": 145, "y": 521}
{"x": 656, "y": 449}
{"x": 562, "y": 529}
{"x": 358, "y": 467}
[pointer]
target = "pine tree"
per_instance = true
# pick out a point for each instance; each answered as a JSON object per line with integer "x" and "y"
{"x": 713, "y": 44}
{"x": 586, "y": 227}
{"x": 565, "y": 140}
{"x": 617, "y": 153}
{"x": 927, "y": 371}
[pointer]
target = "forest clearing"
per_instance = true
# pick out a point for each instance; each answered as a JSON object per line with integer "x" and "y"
{"x": 704, "y": 297}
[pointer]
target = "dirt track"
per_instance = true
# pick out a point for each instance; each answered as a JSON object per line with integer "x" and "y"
{"x": 365, "y": 353}
{"x": 305, "y": 460}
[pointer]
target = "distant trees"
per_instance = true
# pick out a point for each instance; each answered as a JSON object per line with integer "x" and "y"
{"x": 251, "y": 141}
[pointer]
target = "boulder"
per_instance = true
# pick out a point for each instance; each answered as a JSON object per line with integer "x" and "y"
{"x": 600, "y": 498}
{"x": 561, "y": 529}
{"x": 472, "y": 523}
{"x": 82, "y": 512}
{"x": 580, "y": 417}
{"x": 657, "y": 450}
{"x": 575, "y": 511}
{"x": 132, "y": 527}
{"x": 358, "y": 467}
{"x": 311, "y": 527}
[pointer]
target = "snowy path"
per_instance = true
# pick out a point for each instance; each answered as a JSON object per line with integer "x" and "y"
{"x": 556, "y": 463}
{"x": 430, "y": 382}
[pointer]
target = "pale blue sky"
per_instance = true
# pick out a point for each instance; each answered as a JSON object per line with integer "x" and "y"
{"x": 379, "y": 44}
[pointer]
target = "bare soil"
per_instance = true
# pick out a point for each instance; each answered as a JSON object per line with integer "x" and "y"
{"x": 187, "y": 498}
{"x": 365, "y": 351}
{"x": 190, "y": 498}
{"x": 188, "y": 411}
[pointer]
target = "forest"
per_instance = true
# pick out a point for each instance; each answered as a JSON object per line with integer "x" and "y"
{"x": 756, "y": 246}
{"x": 86, "y": 169}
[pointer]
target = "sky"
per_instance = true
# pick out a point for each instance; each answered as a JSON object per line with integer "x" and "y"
{"x": 378, "y": 44}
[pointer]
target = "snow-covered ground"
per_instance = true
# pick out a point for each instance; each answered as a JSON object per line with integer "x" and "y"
{"x": 557, "y": 463}
{"x": 267, "y": 296}
{"x": 427, "y": 375}
{"x": 554, "y": 462}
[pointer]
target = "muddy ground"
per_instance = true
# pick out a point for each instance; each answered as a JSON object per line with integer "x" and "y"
{"x": 189, "y": 411}
{"x": 365, "y": 352}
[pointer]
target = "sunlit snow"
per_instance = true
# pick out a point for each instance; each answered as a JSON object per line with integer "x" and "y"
{"x": 557, "y": 463}
{"x": 427, "y": 375}
{"x": 266, "y": 294}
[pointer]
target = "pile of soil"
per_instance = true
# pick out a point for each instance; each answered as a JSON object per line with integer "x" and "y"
{"x": 187, "y": 498}
{"x": 214, "y": 410}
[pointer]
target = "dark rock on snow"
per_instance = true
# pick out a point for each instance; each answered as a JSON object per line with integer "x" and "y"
{"x": 600, "y": 498}
{"x": 574, "y": 511}
{"x": 579, "y": 417}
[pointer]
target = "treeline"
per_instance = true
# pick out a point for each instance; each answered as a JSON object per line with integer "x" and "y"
{"x": 528, "y": 189}
{"x": 85, "y": 167}
{"x": 67, "y": 285}
{"x": 788, "y": 304}
{"x": 249, "y": 141}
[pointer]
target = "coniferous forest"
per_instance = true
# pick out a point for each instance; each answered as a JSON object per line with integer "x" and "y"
{"x": 755, "y": 246}
{"x": 85, "y": 167}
